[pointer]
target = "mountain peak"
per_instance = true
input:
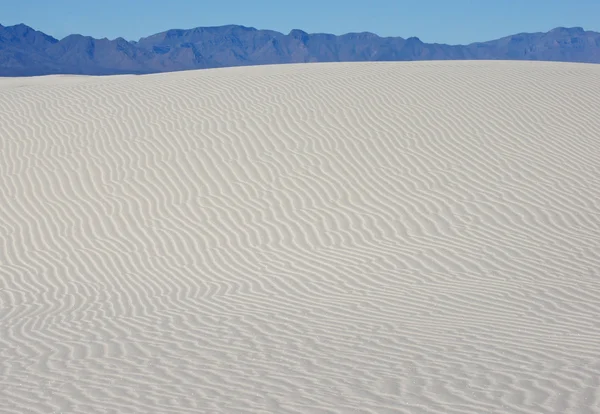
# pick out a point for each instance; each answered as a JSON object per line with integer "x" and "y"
{"x": 414, "y": 39}
{"x": 299, "y": 35}
{"x": 20, "y": 27}
{"x": 568, "y": 30}
{"x": 21, "y": 33}
{"x": 297, "y": 32}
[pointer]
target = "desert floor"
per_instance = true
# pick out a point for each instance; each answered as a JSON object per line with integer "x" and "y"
{"x": 418, "y": 237}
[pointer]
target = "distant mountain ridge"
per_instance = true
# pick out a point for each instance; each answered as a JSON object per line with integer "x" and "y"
{"x": 28, "y": 52}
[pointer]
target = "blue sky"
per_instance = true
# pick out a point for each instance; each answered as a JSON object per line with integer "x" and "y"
{"x": 442, "y": 21}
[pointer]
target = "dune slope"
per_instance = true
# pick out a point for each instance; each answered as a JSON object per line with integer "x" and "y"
{"x": 415, "y": 237}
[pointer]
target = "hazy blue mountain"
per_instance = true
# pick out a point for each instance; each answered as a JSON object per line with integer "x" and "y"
{"x": 25, "y": 51}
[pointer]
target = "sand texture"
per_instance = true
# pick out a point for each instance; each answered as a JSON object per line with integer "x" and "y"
{"x": 316, "y": 238}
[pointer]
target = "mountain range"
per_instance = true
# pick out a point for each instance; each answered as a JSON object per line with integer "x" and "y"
{"x": 28, "y": 52}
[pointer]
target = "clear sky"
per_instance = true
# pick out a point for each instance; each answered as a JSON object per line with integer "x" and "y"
{"x": 442, "y": 21}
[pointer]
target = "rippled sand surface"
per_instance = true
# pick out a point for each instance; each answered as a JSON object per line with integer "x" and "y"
{"x": 417, "y": 237}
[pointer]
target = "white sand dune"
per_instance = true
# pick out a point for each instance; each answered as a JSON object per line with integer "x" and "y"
{"x": 322, "y": 238}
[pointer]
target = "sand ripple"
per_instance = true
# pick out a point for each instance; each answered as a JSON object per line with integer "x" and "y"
{"x": 324, "y": 238}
